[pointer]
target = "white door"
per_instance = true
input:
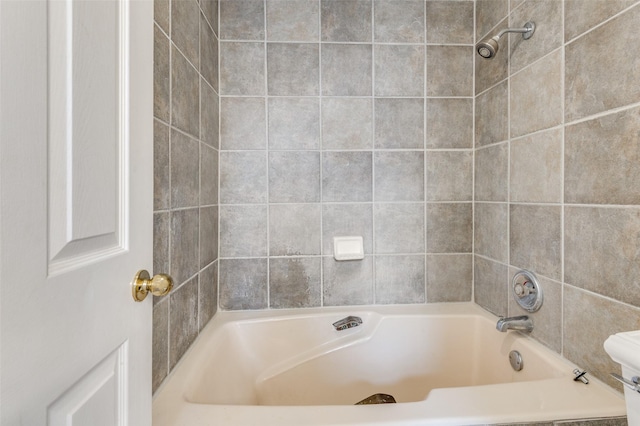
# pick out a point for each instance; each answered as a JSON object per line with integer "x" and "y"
{"x": 75, "y": 211}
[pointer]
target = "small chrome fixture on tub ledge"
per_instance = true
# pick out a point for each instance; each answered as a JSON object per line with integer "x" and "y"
{"x": 347, "y": 322}
{"x": 519, "y": 323}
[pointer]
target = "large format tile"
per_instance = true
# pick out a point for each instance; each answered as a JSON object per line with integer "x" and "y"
{"x": 491, "y": 173}
{"x": 243, "y": 177}
{"x": 594, "y": 85}
{"x": 399, "y": 176}
{"x": 449, "y": 278}
{"x": 347, "y": 123}
{"x": 242, "y": 68}
{"x": 293, "y": 69}
{"x": 348, "y": 21}
{"x": 450, "y": 22}
{"x": 491, "y": 230}
{"x": 347, "y": 283}
{"x": 243, "y": 123}
{"x": 582, "y": 15}
{"x": 449, "y": 227}
{"x": 292, "y": 20}
{"x": 294, "y": 229}
{"x": 399, "y": 70}
{"x": 294, "y": 282}
{"x": 490, "y": 285}
{"x": 347, "y": 176}
{"x": 449, "y": 123}
{"x": 294, "y": 123}
{"x": 399, "y": 123}
{"x": 450, "y": 176}
{"x": 535, "y": 236}
{"x": 243, "y": 284}
{"x": 242, "y": 19}
{"x": 450, "y": 71}
{"x": 399, "y": 228}
{"x": 294, "y": 177}
{"x": 346, "y": 69}
{"x": 601, "y": 160}
{"x": 399, "y": 279}
{"x": 536, "y": 96}
{"x": 183, "y": 319}
{"x": 399, "y": 21}
{"x": 601, "y": 250}
{"x": 243, "y": 231}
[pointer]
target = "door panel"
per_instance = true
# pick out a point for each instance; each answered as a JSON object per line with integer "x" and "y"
{"x": 76, "y": 192}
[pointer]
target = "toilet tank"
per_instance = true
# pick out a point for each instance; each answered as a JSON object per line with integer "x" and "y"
{"x": 624, "y": 348}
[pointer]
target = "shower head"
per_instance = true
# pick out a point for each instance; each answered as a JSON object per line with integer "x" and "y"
{"x": 489, "y": 47}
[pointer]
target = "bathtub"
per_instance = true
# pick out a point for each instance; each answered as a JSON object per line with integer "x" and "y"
{"x": 445, "y": 364}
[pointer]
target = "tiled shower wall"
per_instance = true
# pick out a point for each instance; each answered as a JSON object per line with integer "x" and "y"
{"x": 186, "y": 135}
{"x": 557, "y": 169}
{"x": 345, "y": 118}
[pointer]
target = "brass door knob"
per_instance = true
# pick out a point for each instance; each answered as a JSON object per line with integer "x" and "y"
{"x": 159, "y": 285}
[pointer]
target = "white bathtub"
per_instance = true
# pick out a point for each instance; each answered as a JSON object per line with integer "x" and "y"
{"x": 445, "y": 364}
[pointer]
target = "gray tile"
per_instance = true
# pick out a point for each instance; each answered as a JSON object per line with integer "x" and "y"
{"x": 293, "y": 20}
{"x": 535, "y": 235}
{"x": 161, "y": 241}
{"x": 399, "y": 228}
{"x": 491, "y": 116}
{"x": 208, "y": 175}
{"x": 449, "y": 71}
{"x": 161, "y": 14}
{"x": 346, "y": 69}
{"x": 489, "y": 72}
{"x": 184, "y": 244}
{"x": 582, "y": 15}
{"x": 450, "y": 176}
{"x": 491, "y": 170}
{"x": 346, "y": 176}
{"x": 347, "y": 283}
{"x": 185, "y": 90}
{"x": 399, "y": 123}
{"x": 399, "y": 176}
{"x": 161, "y": 76}
{"x": 183, "y": 319}
{"x": 209, "y": 115}
{"x": 346, "y": 20}
{"x": 294, "y": 177}
{"x": 207, "y": 294}
{"x": 294, "y": 229}
{"x": 160, "y": 345}
{"x": 243, "y": 123}
{"x": 601, "y": 160}
{"x": 399, "y": 70}
{"x": 593, "y": 85}
{"x": 243, "y": 231}
{"x": 548, "y": 36}
{"x": 536, "y": 96}
{"x": 294, "y": 123}
{"x": 210, "y": 9}
{"x": 601, "y": 246}
{"x": 161, "y": 170}
{"x": 185, "y": 17}
{"x": 243, "y": 284}
{"x": 585, "y": 348}
{"x": 342, "y": 220}
{"x": 536, "y": 168}
{"x": 185, "y": 170}
{"x": 490, "y": 285}
{"x": 617, "y": 421}
{"x": 208, "y": 235}
{"x": 294, "y": 282}
{"x": 347, "y": 123}
{"x": 399, "y": 279}
{"x": 449, "y": 278}
{"x": 209, "y": 67}
{"x": 242, "y": 68}
{"x": 242, "y": 19}
{"x": 548, "y": 320}
{"x": 449, "y": 228}
{"x": 491, "y": 230}
{"x": 488, "y": 14}
{"x": 450, "y": 123}
{"x": 243, "y": 177}
{"x": 293, "y": 69}
{"x": 450, "y": 22}
{"x": 399, "y": 21}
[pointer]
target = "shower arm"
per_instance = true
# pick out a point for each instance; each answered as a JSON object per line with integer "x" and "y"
{"x": 527, "y": 31}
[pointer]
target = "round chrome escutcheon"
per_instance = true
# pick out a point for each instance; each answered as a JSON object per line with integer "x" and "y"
{"x": 527, "y": 291}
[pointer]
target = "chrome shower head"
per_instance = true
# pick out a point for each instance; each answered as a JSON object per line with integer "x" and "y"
{"x": 488, "y": 48}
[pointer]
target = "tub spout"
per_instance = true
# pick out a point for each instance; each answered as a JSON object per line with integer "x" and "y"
{"x": 520, "y": 323}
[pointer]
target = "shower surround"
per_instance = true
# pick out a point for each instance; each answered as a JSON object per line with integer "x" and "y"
{"x": 377, "y": 118}
{"x": 345, "y": 118}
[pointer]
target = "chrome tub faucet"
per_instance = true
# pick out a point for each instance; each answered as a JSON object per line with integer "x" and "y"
{"x": 519, "y": 323}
